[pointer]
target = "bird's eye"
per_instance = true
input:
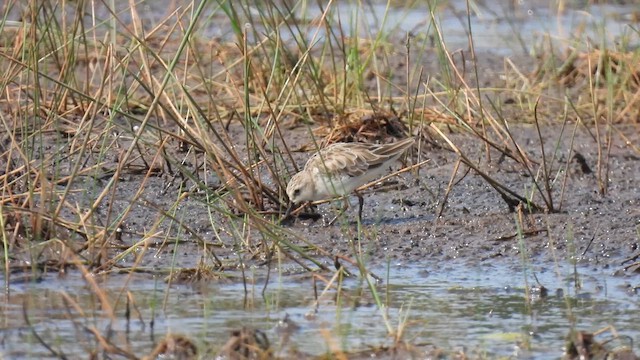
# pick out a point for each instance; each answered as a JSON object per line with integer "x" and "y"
{"x": 296, "y": 192}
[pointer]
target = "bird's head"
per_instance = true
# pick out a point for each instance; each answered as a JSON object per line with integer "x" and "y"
{"x": 300, "y": 188}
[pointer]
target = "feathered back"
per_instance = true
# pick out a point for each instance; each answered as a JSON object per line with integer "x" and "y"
{"x": 357, "y": 158}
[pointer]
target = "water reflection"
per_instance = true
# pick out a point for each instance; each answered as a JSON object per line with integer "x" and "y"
{"x": 483, "y": 309}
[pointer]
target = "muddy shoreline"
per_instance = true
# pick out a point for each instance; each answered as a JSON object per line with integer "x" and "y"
{"x": 401, "y": 220}
{"x": 400, "y": 215}
{"x": 477, "y": 225}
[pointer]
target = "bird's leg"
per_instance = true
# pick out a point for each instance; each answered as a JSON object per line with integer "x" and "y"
{"x": 360, "y": 205}
{"x": 344, "y": 208}
{"x": 312, "y": 208}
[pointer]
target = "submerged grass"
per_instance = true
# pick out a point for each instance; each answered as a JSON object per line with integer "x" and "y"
{"x": 119, "y": 129}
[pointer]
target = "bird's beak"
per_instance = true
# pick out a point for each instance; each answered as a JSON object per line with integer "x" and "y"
{"x": 287, "y": 213}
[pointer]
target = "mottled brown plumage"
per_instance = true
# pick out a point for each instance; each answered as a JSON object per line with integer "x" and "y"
{"x": 341, "y": 168}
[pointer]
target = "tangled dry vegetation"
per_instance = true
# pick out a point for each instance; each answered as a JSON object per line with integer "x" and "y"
{"x": 94, "y": 115}
{"x": 606, "y": 79}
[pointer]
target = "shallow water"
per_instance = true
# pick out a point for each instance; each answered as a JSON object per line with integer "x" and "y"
{"x": 503, "y": 27}
{"x": 478, "y": 310}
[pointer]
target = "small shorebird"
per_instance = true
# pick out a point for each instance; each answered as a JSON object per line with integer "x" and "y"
{"x": 340, "y": 169}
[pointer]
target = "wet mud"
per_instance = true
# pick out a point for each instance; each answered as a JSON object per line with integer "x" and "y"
{"x": 412, "y": 218}
{"x": 477, "y": 225}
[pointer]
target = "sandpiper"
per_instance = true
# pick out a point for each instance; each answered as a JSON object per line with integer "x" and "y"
{"x": 340, "y": 168}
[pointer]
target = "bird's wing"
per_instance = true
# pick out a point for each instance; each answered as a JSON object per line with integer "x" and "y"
{"x": 352, "y": 160}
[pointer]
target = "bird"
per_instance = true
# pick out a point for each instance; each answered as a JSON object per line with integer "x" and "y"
{"x": 339, "y": 169}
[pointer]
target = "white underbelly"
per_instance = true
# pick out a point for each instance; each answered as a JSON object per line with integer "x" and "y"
{"x": 336, "y": 186}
